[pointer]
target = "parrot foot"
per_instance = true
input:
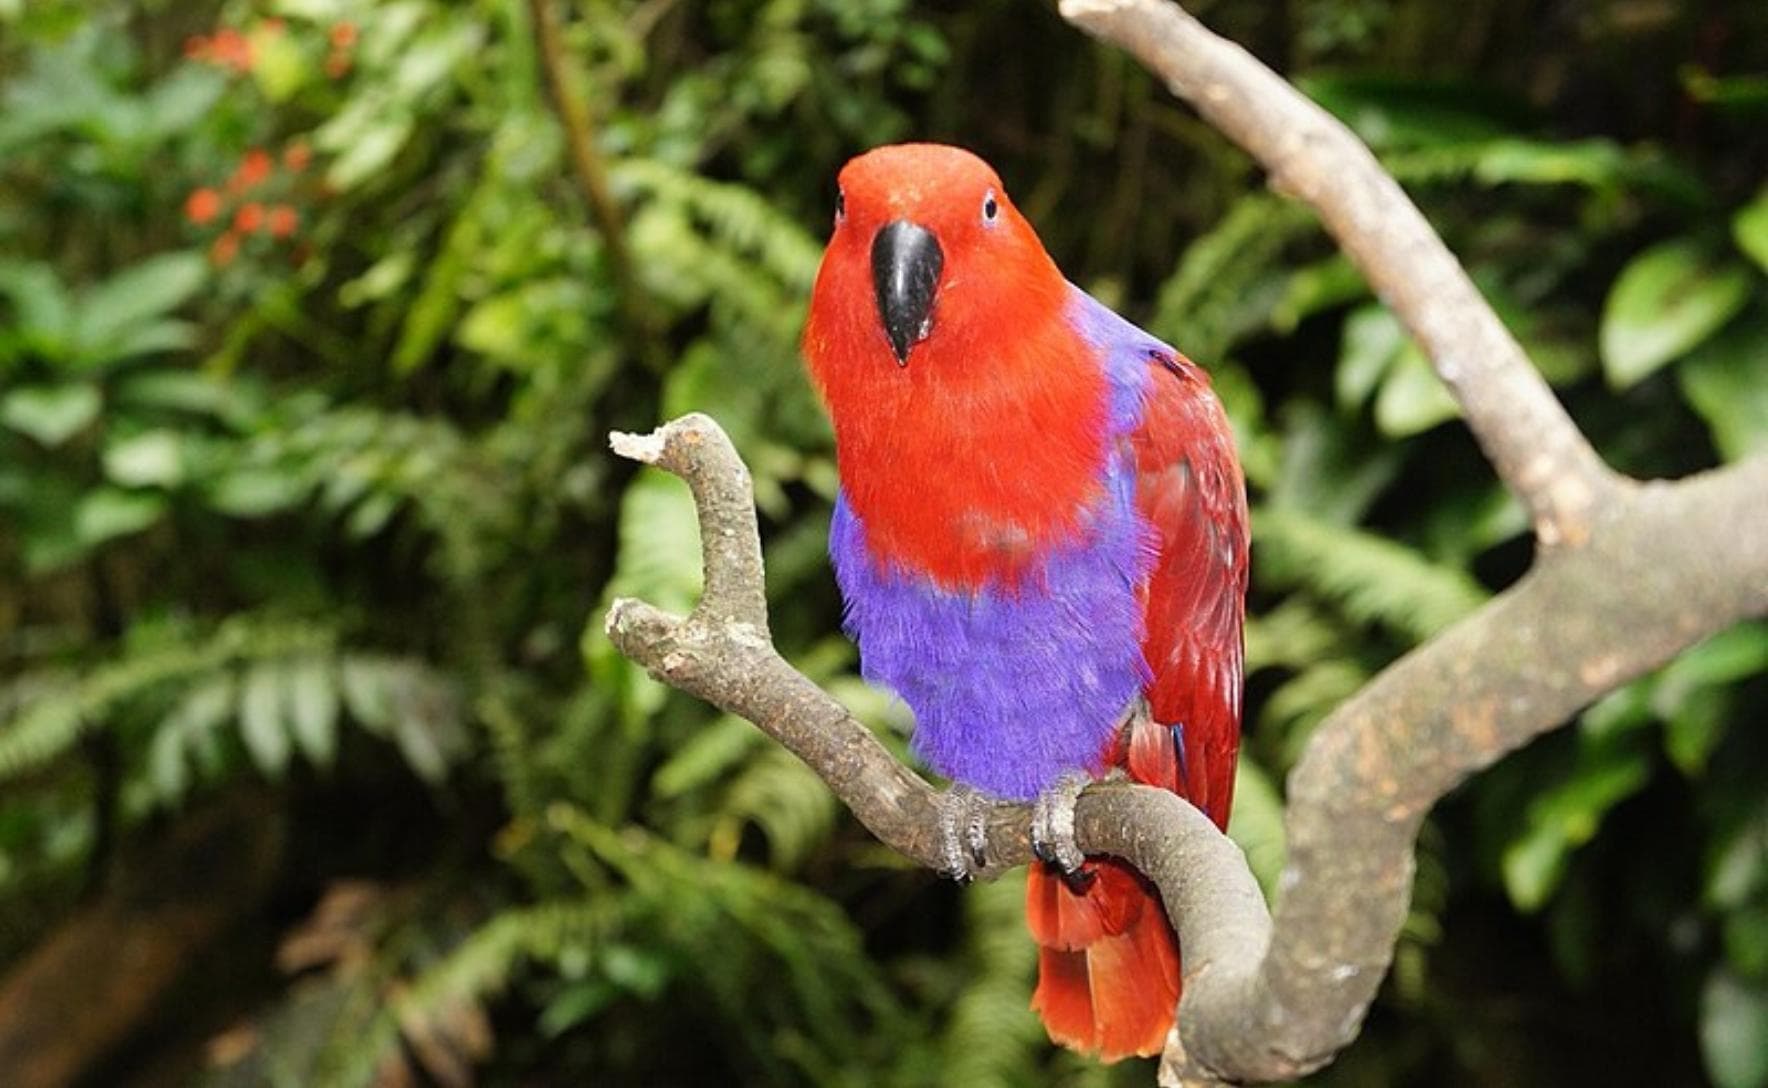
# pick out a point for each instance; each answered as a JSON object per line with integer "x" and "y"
{"x": 1052, "y": 829}
{"x": 963, "y": 831}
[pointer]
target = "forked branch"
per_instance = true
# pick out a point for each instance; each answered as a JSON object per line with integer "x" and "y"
{"x": 1665, "y": 565}
{"x": 1627, "y": 575}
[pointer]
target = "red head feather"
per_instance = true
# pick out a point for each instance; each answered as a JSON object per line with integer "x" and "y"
{"x": 999, "y": 378}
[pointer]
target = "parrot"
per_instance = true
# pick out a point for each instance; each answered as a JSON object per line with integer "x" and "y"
{"x": 1040, "y": 539}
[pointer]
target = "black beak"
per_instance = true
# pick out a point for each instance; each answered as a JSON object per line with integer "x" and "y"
{"x": 906, "y": 259}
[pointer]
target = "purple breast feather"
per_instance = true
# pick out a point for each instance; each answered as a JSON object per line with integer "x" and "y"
{"x": 1012, "y": 687}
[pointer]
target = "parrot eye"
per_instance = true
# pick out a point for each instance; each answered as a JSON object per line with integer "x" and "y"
{"x": 991, "y": 208}
{"x": 840, "y": 205}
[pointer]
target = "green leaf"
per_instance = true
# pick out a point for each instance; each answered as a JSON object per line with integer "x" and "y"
{"x": 109, "y": 512}
{"x": 41, "y": 307}
{"x": 1256, "y": 824}
{"x": 1666, "y": 302}
{"x": 179, "y": 391}
{"x": 711, "y": 752}
{"x": 368, "y": 153}
{"x": 51, "y": 414}
{"x": 191, "y": 723}
{"x": 1566, "y": 817}
{"x": 1749, "y": 229}
{"x": 261, "y": 722}
{"x": 1316, "y": 288}
{"x": 1370, "y": 343}
{"x": 134, "y": 297}
{"x": 1725, "y": 380}
{"x": 279, "y": 64}
{"x": 313, "y": 709}
{"x": 426, "y": 727}
{"x": 1412, "y": 398}
{"x": 1746, "y": 941}
{"x": 1738, "y": 867}
{"x": 149, "y": 459}
{"x": 1595, "y": 163}
{"x": 1693, "y": 693}
{"x": 497, "y": 326}
{"x": 256, "y": 492}
{"x": 1734, "y": 1031}
{"x": 154, "y": 337}
{"x": 658, "y": 561}
{"x": 182, "y": 100}
{"x": 168, "y": 771}
{"x": 367, "y": 687}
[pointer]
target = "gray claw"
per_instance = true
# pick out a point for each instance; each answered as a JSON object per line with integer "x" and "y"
{"x": 1052, "y": 823}
{"x": 963, "y": 832}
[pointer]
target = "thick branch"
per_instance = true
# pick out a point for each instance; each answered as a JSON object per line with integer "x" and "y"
{"x": 1665, "y": 565}
{"x": 1524, "y": 431}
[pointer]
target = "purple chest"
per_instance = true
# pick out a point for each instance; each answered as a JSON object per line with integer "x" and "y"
{"x": 1011, "y": 686}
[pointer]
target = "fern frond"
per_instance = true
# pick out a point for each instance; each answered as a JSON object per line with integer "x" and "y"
{"x": 481, "y": 965}
{"x": 61, "y": 711}
{"x": 1295, "y": 633}
{"x": 993, "y": 1037}
{"x": 1207, "y": 303}
{"x": 1296, "y": 707}
{"x": 737, "y": 216}
{"x": 709, "y": 754}
{"x": 516, "y": 770}
{"x": 781, "y": 795}
{"x": 1372, "y": 578}
{"x": 725, "y": 916}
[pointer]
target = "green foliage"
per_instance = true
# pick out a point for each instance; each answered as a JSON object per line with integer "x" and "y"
{"x": 1666, "y": 301}
{"x": 308, "y": 350}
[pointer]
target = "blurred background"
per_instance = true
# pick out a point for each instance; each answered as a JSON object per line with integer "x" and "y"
{"x": 315, "y": 768}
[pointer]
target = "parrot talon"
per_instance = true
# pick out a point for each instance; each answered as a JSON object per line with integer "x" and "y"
{"x": 963, "y": 832}
{"x": 1080, "y": 881}
{"x": 1052, "y": 827}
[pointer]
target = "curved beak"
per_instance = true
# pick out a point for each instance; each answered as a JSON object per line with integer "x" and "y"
{"x": 906, "y": 260}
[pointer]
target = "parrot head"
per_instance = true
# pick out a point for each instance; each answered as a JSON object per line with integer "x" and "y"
{"x": 929, "y": 252}
{"x": 940, "y": 336}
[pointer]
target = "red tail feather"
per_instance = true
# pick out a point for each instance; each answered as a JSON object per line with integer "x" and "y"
{"x": 1108, "y": 966}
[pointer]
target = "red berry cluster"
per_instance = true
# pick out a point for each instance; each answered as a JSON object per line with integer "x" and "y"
{"x": 257, "y": 170}
{"x": 343, "y": 43}
{"x": 226, "y": 48}
{"x": 229, "y": 49}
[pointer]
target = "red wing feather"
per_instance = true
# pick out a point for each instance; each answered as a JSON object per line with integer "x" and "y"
{"x": 1108, "y": 965}
{"x": 1189, "y": 488}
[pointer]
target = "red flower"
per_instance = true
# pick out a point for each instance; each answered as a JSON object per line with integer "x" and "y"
{"x": 249, "y": 218}
{"x": 343, "y": 35}
{"x": 224, "y": 249}
{"x": 297, "y": 155}
{"x": 231, "y": 49}
{"x": 202, "y": 205}
{"x": 282, "y": 221}
{"x": 254, "y": 169}
{"x": 337, "y": 66}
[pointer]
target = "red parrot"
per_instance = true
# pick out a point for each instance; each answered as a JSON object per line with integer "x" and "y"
{"x": 1041, "y": 543}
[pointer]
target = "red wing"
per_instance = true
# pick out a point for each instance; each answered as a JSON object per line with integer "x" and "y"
{"x": 1190, "y": 489}
{"x": 1108, "y": 964}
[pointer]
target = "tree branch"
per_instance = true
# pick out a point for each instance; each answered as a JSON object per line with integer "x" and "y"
{"x": 1664, "y": 566}
{"x": 1627, "y": 576}
{"x": 1524, "y": 431}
